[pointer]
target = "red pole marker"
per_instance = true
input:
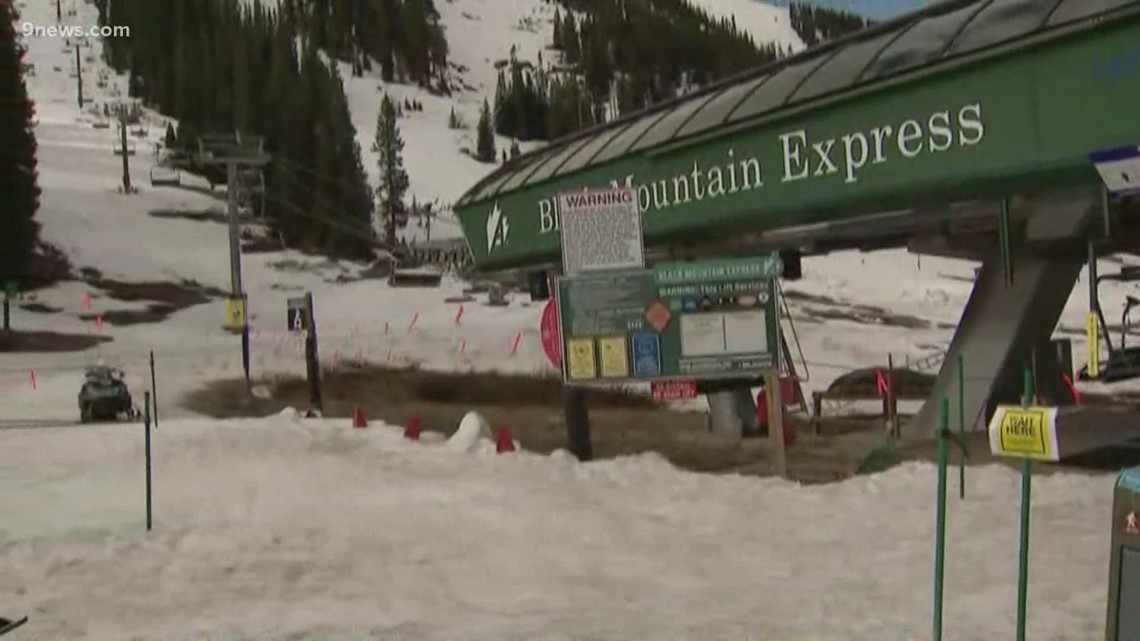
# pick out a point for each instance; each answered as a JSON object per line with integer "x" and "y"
{"x": 32, "y": 372}
{"x": 415, "y": 319}
{"x": 412, "y": 431}
{"x": 459, "y": 314}
{"x": 881, "y": 383}
{"x": 385, "y": 328}
{"x": 515, "y": 343}
{"x": 503, "y": 441}
{"x": 1072, "y": 388}
{"x": 86, "y": 300}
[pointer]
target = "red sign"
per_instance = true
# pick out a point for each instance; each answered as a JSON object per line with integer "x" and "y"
{"x": 673, "y": 390}
{"x": 658, "y": 316}
{"x": 551, "y": 341}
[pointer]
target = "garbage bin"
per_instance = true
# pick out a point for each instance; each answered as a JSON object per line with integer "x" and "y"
{"x": 1124, "y": 570}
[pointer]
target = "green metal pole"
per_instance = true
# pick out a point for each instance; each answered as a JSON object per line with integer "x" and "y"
{"x": 1026, "y": 496}
{"x": 962, "y": 427}
{"x": 940, "y": 536}
{"x": 1004, "y": 239}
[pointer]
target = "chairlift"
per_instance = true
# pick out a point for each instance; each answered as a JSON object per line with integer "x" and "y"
{"x": 165, "y": 177}
{"x": 1123, "y": 362}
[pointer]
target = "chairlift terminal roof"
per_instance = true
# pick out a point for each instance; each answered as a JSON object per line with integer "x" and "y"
{"x": 937, "y": 41}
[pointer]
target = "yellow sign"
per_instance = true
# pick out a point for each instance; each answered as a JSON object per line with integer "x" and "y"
{"x": 1025, "y": 432}
{"x": 235, "y": 313}
{"x": 615, "y": 361}
{"x": 580, "y": 362}
{"x": 1092, "y": 331}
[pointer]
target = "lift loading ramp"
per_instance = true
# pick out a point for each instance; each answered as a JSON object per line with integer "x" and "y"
{"x": 1001, "y": 322}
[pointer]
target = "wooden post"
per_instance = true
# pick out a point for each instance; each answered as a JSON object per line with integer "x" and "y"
{"x": 776, "y": 422}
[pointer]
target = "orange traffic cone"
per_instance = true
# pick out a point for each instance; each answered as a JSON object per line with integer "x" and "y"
{"x": 358, "y": 419}
{"x": 412, "y": 431}
{"x": 503, "y": 441}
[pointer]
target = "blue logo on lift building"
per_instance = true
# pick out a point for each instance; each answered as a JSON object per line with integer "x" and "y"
{"x": 1120, "y": 67}
{"x": 1130, "y": 480}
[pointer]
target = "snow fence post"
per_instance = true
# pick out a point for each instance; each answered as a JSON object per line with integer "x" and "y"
{"x": 153, "y": 389}
{"x": 940, "y": 535}
{"x": 1026, "y": 497}
{"x": 576, "y": 413}
{"x": 146, "y": 427}
{"x": 962, "y": 427}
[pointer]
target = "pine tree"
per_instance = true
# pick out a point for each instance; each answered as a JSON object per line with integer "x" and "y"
{"x": 485, "y": 137}
{"x": 170, "y": 141}
{"x": 394, "y": 182}
{"x": 18, "y": 174}
{"x": 557, "y": 38}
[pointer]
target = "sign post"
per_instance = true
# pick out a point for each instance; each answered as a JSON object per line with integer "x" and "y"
{"x": 1030, "y": 434}
{"x": 11, "y": 291}
{"x": 312, "y": 355}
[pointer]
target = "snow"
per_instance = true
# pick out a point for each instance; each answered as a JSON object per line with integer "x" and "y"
{"x": 289, "y": 528}
{"x": 281, "y": 528}
{"x": 765, "y": 22}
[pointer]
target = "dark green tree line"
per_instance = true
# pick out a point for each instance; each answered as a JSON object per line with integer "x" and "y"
{"x": 19, "y": 192}
{"x": 819, "y": 24}
{"x": 234, "y": 67}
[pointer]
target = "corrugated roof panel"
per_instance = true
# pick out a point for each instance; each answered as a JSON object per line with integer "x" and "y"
{"x": 842, "y": 71}
{"x": 715, "y": 111}
{"x": 1001, "y": 21}
{"x": 1072, "y": 10}
{"x": 666, "y": 128}
{"x": 548, "y": 168}
{"x": 922, "y": 44}
{"x": 491, "y": 188}
{"x": 622, "y": 143}
{"x": 594, "y": 144}
{"x": 523, "y": 173}
{"x": 773, "y": 94}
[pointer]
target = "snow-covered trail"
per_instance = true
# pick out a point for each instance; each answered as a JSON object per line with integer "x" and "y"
{"x": 305, "y": 530}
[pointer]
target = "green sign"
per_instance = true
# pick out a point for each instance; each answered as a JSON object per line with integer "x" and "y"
{"x": 988, "y": 128}
{"x": 11, "y": 289}
{"x": 697, "y": 320}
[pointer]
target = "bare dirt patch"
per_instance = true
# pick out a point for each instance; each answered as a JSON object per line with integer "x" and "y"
{"x": 39, "y": 308}
{"x": 163, "y": 298}
{"x": 13, "y": 342}
{"x": 819, "y": 308}
{"x": 623, "y": 423}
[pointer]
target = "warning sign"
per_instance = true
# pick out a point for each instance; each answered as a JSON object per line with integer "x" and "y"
{"x": 580, "y": 359}
{"x": 657, "y": 314}
{"x": 615, "y": 358}
{"x": 600, "y": 230}
{"x": 1024, "y": 432}
{"x": 235, "y": 313}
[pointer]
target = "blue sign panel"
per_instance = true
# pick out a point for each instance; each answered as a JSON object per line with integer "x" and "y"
{"x": 1130, "y": 480}
{"x": 646, "y": 354}
{"x": 1119, "y": 168}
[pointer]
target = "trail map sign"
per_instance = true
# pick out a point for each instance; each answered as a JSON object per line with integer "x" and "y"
{"x": 690, "y": 320}
{"x": 601, "y": 230}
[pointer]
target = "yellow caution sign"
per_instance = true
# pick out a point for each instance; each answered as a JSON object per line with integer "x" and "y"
{"x": 1092, "y": 331}
{"x": 235, "y": 313}
{"x": 615, "y": 360}
{"x": 581, "y": 361}
{"x": 1024, "y": 432}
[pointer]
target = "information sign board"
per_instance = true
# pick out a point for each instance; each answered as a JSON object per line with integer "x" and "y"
{"x": 694, "y": 320}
